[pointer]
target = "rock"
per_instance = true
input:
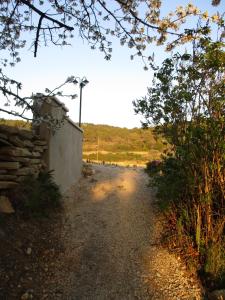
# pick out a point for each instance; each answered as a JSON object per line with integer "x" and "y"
{"x": 16, "y": 141}
{"x": 24, "y": 171}
{"x": 20, "y": 178}
{"x": 29, "y": 250}
{"x": 40, "y": 143}
{"x": 36, "y": 168}
{"x": 3, "y": 136}
{"x": 25, "y": 133}
{"x": 15, "y": 151}
{"x": 7, "y": 177}
{"x": 36, "y": 154}
{"x": 39, "y": 149}
{"x": 4, "y": 142}
{"x": 35, "y": 161}
{"x": 217, "y": 295}
{"x": 9, "y": 165}
{"x": 27, "y": 295}
{"x": 25, "y": 160}
{"x": 7, "y": 185}
{"x": 12, "y": 158}
{"x": 28, "y": 144}
{"x": 9, "y": 129}
{"x": 5, "y": 205}
{"x": 87, "y": 171}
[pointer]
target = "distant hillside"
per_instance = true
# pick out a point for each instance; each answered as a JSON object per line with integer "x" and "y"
{"x": 115, "y": 144}
{"x": 110, "y": 138}
{"x": 16, "y": 123}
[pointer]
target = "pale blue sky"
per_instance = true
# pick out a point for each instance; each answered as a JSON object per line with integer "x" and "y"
{"x": 113, "y": 85}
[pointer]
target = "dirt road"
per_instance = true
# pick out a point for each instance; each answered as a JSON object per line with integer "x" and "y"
{"x": 111, "y": 236}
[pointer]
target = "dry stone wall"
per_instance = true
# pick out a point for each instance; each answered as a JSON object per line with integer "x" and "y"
{"x": 21, "y": 154}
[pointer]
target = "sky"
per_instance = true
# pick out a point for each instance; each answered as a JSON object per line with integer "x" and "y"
{"x": 113, "y": 85}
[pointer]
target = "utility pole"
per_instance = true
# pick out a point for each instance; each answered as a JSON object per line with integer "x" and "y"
{"x": 81, "y": 88}
{"x": 82, "y": 82}
{"x": 97, "y": 148}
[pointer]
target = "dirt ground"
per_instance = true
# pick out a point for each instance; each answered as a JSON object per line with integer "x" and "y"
{"x": 111, "y": 236}
{"x": 29, "y": 249}
{"x": 107, "y": 246}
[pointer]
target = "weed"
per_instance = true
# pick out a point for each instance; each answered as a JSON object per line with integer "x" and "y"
{"x": 37, "y": 196}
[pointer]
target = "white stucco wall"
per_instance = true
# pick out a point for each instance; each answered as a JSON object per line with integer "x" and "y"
{"x": 65, "y": 154}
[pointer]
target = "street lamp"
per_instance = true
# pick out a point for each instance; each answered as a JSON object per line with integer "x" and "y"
{"x": 82, "y": 82}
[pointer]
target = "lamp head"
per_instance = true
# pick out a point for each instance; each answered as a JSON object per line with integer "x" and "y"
{"x": 84, "y": 82}
{"x": 75, "y": 81}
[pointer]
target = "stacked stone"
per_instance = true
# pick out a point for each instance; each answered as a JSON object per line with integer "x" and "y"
{"x": 21, "y": 154}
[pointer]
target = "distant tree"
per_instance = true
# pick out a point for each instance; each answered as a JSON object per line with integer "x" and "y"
{"x": 136, "y": 23}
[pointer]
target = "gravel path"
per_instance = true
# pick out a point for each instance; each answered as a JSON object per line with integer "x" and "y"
{"x": 110, "y": 236}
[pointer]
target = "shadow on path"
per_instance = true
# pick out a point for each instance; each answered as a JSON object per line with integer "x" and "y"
{"x": 109, "y": 236}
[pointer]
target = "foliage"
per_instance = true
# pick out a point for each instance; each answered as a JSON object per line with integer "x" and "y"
{"x": 116, "y": 157}
{"x": 135, "y": 23}
{"x": 116, "y": 139}
{"x": 16, "y": 123}
{"x": 114, "y": 144}
{"x": 187, "y": 101}
{"x": 38, "y": 195}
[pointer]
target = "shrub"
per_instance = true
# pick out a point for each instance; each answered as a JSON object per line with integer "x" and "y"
{"x": 39, "y": 195}
{"x": 187, "y": 104}
{"x": 153, "y": 167}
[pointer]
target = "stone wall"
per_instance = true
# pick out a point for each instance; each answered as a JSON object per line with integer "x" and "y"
{"x": 57, "y": 148}
{"x": 21, "y": 154}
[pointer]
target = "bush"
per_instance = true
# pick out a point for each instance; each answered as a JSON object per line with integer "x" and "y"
{"x": 38, "y": 195}
{"x": 153, "y": 167}
{"x": 190, "y": 180}
{"x": 170, "y": 180}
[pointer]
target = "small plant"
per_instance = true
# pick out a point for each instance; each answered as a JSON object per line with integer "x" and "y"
{"x": 39, "y": 195}
{"x": 153, "y": 167}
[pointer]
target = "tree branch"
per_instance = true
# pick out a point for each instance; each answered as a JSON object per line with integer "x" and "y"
{"x": 112, "y": 15}
{"x": 16, "y": 114}
{"x": 145, "y": 23}
{"x": 45, "y": 16}
{"x": 37, "y": 36}
{"x": 5, "y": 91}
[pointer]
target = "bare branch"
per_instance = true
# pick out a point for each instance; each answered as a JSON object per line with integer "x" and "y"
{"x": 45, "y": 16}
{"x": 16, "y": 114}
{"x": 37, "y": 36}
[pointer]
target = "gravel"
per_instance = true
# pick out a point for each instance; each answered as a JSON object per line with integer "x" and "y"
{"x": 111, "y": 239}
